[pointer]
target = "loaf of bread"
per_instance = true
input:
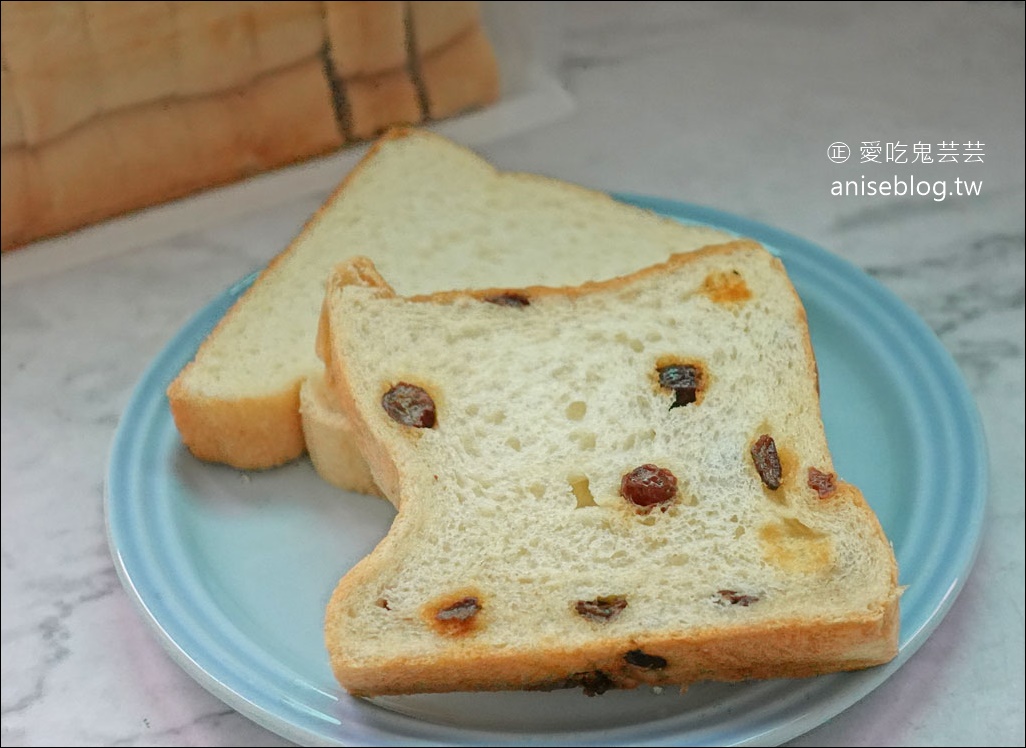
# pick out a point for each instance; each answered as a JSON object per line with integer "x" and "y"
{"x": 432, "y": 215}
{"x": 617, "y": 484}
{"x": 113, "y": 106}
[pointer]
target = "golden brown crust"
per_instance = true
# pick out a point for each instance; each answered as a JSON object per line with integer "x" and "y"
{"x": 15, "y": 211}
{"x": 439, "y": 22}
{"x": 75, "y": 176}
{"x": 782, "y": 649}
{"x": 12, "y": 134}
{"x": 366, "y": 38}
{"x": 250, "y": 433}
{"x": 215, "y": 46}
{"x": 147, "y": 174}
{"x": 217, "y": 133}
{"x": 379, "y": 101}
{"x": 136, "y": 52}
{"x": 109, "y": 165}
{"x": 52, "y": 64}
{"x": 461, "y": 75}
{"x": 290, "y": 115}
{"x": 286, "y": 32}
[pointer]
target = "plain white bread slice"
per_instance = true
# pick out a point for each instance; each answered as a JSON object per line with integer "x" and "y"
{"x": 516, "y": 562}
{"x": 432, "y": 215}
{"x": 329, "y": 438}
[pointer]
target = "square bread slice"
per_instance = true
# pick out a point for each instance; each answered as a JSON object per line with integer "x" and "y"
{"x": 620, "y": 483}
{"x": 432, "y": 215}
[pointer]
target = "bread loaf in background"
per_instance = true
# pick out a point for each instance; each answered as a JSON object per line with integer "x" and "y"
{"x": 110, "y": 107}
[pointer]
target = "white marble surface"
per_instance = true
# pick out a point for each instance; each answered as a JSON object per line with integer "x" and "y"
{"x": 729, "y": 105}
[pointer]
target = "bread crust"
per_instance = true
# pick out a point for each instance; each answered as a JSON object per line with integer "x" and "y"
{"x": 108, "y": 166}
{"x": 438, "y": 23}
{"x": 136, "y": 50}
{"x": 786, "y": 647}
{"x": 290, "y": 116}
{"x": 216, "y": 50}
{"x": 365, "y": 38}
{"x": 53, "y": 68}
{"x": 460, "y": 75}
{"x": 247, "y": 433}
{"x": 778, "y": 649}
{"x": 11, "y": 130}
{"x": 286, "y": 32}
{"x": 380, "y": 101}
{"x": 15, "y": 196}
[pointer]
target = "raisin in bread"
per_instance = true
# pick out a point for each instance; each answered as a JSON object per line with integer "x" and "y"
{"x": 432, "y": 215}
{"x": 626, "y": 482}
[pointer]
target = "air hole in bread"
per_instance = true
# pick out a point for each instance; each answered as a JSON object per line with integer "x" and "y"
{"x": 795, "y": 528}
{"x": 633, "y": 343}
{"x": 582, "y": 490}
{"x": 585, "y": 440}
{"x": 620, "y": 558}
{"x": 576, "y": 410}
{"x": 537, "y": 489}
{"x": 382, "y": 603}
{"x": 496, "y": 417}
{"x": 513, "y": 443}
{"x": 470, "y": 445}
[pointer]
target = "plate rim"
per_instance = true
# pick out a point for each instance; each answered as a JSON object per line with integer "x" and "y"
{"x": 975, "y": 461}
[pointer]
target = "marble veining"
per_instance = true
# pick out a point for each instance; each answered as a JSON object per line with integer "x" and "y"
{"x": 731, "y": 105}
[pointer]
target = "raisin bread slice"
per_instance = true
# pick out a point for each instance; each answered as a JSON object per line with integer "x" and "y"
{"x": 626, "y": 482}
{"x": 432, "y": 215}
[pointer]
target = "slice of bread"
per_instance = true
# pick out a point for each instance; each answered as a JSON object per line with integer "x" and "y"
{"x": 432, "y": 215}
{"x": 516, "y": 562}
{"x": 329, "y": 439}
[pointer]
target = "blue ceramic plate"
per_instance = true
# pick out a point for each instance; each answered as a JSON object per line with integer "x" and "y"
{"x": 233, "y": 570}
